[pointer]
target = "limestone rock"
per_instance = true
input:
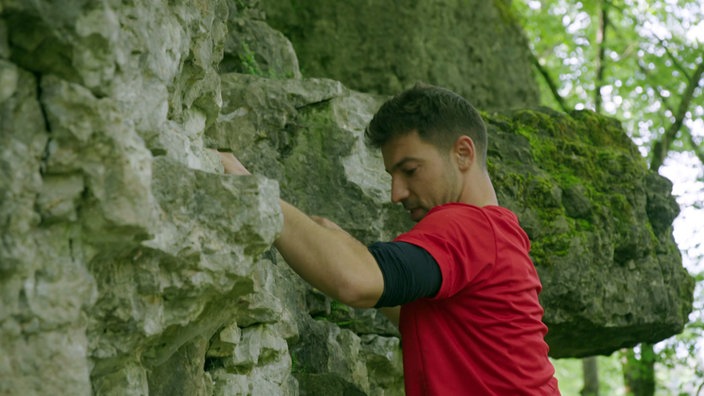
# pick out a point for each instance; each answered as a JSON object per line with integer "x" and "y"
{"x": 124, "y": 251}
{"x": 386, "y": 46}
{"x": 254, "y": 47}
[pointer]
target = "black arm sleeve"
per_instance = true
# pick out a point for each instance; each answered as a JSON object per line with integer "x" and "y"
{"x": 409, "y": 271}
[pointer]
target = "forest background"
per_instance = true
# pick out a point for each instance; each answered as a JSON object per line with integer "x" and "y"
{"x": 642, "y": 63}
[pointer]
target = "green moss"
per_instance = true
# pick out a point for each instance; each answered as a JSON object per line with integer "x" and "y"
{"x": 506, "y": 13}
{"x": 553, "y": 244}
{"x": 581, "y": 150}
{"x": 583, "y": 225}
{"x": 248, "y": 61}
{"x": 340, "y": 314}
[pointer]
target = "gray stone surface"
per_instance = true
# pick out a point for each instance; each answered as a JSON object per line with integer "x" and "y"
{"x": 131, "y": 265}
{"x": 254, "y": 47}
{"x": 475, "y": 48}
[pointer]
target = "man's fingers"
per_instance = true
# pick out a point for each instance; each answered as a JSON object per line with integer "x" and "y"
{"x": 231, "y": 164}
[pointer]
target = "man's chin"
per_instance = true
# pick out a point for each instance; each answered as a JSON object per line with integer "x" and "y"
{"x": 417, "y": 214}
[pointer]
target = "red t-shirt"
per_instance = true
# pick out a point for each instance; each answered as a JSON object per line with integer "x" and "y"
{"x": 482, "y": 334}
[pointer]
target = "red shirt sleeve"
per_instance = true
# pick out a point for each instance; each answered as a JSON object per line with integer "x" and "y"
{"x": 461, "y": 239}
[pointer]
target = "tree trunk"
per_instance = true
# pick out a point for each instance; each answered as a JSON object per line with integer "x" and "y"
{"x": 639, "y": 372}
{"x": 591, "y": 377}
{"x": 601, "y": 55}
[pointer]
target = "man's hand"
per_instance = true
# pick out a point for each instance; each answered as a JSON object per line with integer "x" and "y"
{"x": 322, "y": 253}
{"x": 232, "y": 165}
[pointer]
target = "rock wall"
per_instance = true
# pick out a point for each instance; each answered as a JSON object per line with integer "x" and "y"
{"x": 131, "y": 265}
{"x": 473, "y": 47}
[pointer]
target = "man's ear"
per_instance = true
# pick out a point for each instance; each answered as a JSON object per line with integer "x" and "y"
{"x": 464, "y": 152}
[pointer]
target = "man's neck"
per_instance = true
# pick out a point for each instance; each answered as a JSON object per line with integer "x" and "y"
{"x": 479, "y": 190}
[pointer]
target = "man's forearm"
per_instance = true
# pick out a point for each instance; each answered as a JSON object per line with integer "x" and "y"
{"x": 330, "y": 260}
{"x": 324, "y": 255}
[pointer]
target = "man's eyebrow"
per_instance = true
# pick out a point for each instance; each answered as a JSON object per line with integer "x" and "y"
{"x": 400, "y": 163}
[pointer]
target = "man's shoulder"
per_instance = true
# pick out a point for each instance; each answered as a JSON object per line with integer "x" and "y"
{"x": 460, "y": 210}
{"x": 460, "y": 218}
{"x": 454, "y": 218}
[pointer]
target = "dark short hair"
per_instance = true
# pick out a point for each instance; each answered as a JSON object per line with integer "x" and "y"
{"x": 439, "y": 115}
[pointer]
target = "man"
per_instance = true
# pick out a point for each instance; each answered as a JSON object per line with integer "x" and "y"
{"x": 469, "y": 316}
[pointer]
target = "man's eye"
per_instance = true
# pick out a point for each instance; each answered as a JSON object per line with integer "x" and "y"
{"x": 410, "y": 171}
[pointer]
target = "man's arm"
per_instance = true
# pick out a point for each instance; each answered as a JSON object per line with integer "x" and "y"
{"x": 323, "y": 254}
{"x": 329, "y": 259}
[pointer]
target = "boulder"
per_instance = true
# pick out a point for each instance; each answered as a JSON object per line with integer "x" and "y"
{"x": 475, "y": 48}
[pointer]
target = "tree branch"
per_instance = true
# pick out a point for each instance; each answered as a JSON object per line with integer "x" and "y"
{"x": 663, "y": 99}
{"x": 551, "y": 84}
{"x": 662, "y": 145}
{"x": 600, "y": 59}
{"x": 673, "y": 58}
{"x": 698, "y": 148}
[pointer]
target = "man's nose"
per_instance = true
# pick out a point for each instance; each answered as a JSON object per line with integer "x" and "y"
{"x": 399, "y": 190}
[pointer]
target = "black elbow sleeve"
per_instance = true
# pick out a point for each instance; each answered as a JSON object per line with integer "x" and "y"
{"x": 409, "y": 271}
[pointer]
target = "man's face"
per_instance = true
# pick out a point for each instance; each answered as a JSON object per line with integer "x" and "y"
{"x": 421, "y": 176}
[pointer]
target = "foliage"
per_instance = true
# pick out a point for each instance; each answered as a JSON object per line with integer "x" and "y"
{"x": 642, "y": 62}
{"x": 652, "y": 56}
{"x": 568, "y": 373}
